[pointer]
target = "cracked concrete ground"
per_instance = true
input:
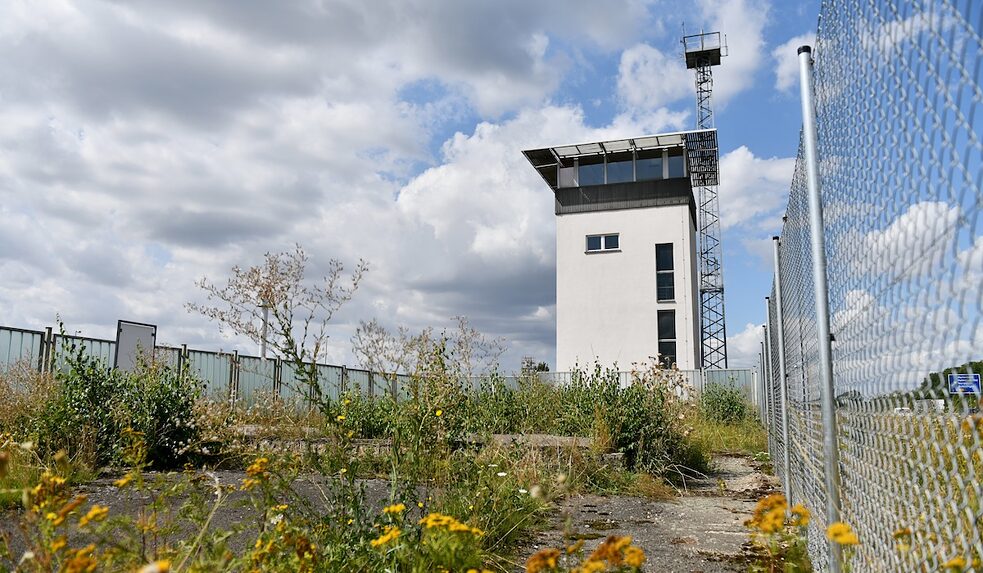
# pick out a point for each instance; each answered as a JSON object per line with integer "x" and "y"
{"x": 702, "y": 531}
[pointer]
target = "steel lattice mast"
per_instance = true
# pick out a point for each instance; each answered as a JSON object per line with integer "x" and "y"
{"x": 702, "y": 52}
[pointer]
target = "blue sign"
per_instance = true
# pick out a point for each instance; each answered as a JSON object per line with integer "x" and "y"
{"x": 964, "y": 383}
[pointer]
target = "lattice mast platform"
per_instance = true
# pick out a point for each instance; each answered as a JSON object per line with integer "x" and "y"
{"x": 702, "y": 52}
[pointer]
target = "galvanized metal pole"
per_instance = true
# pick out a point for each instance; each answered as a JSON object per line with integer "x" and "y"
{"x": 770, "y": 353}
{"x": 830, "y": 449}
{"x": 782, "y": 373}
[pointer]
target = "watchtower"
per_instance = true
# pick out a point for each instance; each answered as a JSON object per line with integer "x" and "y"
{"x": 702, "y": 52}
{"x": 626, "y": 250}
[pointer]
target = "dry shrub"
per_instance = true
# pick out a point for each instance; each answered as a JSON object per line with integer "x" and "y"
{"x": 25, "y": 393}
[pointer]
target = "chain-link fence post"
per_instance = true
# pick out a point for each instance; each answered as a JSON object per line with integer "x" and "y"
{"x": 782, "y": 372}
{"x": 821, "y": 291}
{"x": 764, "y": 381}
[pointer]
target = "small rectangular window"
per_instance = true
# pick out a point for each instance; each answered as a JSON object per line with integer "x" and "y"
{"x": 665, "y": 288}
{"x": 610, "y": 242}
{"x": 667, "y": 337}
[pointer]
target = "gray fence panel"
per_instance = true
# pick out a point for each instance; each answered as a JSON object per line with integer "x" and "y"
{"x": 214, "y": 369}
{"x": 20, "y": 346}
{"x": 329, "y": 380}
{"x": 168, "y": 355}
{"x": 102, "y": 350}
{"x": 256, "y": 379}
{"x": 358, "y": 381}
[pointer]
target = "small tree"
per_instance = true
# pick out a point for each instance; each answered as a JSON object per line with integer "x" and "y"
{"x": 298, "y": 312}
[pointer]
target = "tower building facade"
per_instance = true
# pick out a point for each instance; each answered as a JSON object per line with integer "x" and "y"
{"x": 627, "y": 282}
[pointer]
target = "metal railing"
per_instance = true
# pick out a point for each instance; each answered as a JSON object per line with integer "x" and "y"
{"x": 890, "y": 201}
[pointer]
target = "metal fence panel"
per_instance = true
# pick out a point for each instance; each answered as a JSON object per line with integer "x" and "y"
{"x": 18, "y": 345}
{"x": 899, "y": 117}
{"x": 102, "y": 350}
{"x": 214, "y": 369}
{"x": 329, "y": 379}
{"x": 256, "y": 379}
{"x": 358, "y": 381}
{"x": 168, "y": 355}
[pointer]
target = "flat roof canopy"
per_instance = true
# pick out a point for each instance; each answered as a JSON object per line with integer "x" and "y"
{"x": 700, "y": 146}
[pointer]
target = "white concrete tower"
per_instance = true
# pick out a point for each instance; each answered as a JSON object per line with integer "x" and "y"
{"x": 627, "y": 283}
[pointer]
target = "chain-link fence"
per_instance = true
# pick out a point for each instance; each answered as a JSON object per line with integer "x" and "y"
{"x": 900, "y": 163}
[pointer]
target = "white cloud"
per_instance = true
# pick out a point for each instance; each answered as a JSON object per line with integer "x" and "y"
{"x": 751, "y": 186}
{"x": 787, "y": 61}
{"x": 743, "y": 22}
{"x": 743, "y": 347}
{"x": 648, "y": 78}
{"x": 915, "y": 243}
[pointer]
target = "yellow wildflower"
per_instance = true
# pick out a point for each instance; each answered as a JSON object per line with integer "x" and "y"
{"x": 395, "y": 508}
{"x": 123, "y": 481}
{"x": 842, "y": 534}
{"x": 543, "y": 560}
{"x": 249, "y": 483}
{"x": 258, "y": 467}
{"x": 634, "y": 556}
{"x": 162, "y": 566}
{"x": 340, "y": 418}
{"x": 571, "y": 549}
{"x": 801, "y": 514}
{"x": 769, "y": 514}
{"x": 440, "y": 413}
{"x": 391, "y": 533}
{"x": 902, "y": 533}
{"x": 957, "y": 563}
{"x": 59, "y": 543}
{"x": 611, "y": 550}
{"x": 96, "y": 513}
{"x": 71, "y": 506}
{"x": 81, "y": 560}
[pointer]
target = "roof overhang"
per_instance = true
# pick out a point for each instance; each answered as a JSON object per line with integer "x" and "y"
{"x": 700, "y": 145}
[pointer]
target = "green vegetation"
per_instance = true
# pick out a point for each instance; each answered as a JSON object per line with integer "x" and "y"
{"x": 459, "y": 499}
{"x": 726, "y": 423}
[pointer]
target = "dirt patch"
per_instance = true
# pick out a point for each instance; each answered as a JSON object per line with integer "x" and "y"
{"x": 702, "y": 531}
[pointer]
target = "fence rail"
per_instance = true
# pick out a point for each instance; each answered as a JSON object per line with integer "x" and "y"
{"x": 246, "y": 379}
{"x": 898, "y": 119}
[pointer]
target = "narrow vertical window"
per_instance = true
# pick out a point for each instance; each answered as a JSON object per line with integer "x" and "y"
{"x": 667, "y": 337}
{"x": 677, "y": 162}
{"x": 665, "y": 289}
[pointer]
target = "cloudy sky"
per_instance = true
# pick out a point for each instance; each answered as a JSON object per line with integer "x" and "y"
{"x": 147, "y": 144}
